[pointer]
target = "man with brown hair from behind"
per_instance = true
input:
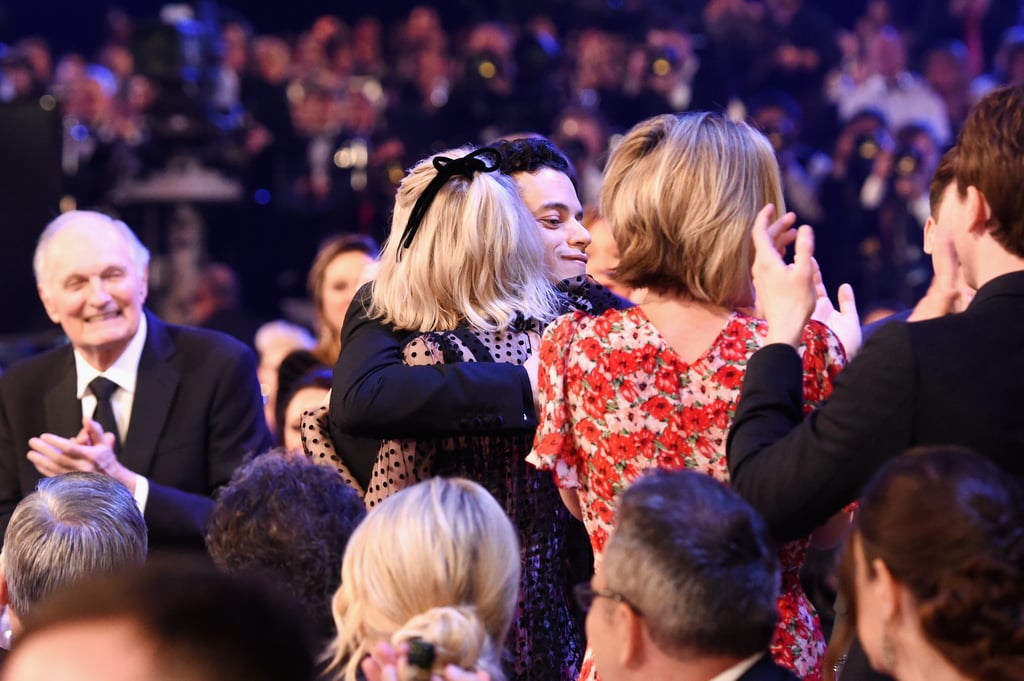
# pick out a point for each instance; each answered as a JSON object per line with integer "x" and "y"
{"x": 952, "y": 379}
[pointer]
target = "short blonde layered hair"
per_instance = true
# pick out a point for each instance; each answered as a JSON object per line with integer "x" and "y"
{"x": 680, "y": 195}
{"x": 477, "y": 258}
{"x": 439, "y": 561}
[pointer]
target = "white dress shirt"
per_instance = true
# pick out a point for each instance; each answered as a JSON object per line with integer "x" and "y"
{"x": 737, "y": 670}
{"x": 124, "y": 372}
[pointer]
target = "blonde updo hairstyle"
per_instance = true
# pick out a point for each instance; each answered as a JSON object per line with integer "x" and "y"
{"x": 477, "y": 257}
{"x": 680, "y": 195}
{"x": 438, "y": 561}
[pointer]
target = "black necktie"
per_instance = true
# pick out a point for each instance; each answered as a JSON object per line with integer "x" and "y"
{"x": 103, "y": 388}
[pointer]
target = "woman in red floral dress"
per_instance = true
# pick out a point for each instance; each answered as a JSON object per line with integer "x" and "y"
{"x": 657, "y": 385}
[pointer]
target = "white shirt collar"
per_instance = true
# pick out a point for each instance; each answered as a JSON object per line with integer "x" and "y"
{"x": 124, "y": 371}
{"x": 737, "y": 670}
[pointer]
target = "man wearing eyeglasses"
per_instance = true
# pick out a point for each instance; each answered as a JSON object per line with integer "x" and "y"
{"x": 687, "y": 588}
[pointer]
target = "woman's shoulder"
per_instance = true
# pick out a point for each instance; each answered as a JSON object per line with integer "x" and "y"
{"x": 745, "y": 327}
{"x": 465, "y": 344}
{"x": 816, "y": 339}
{"x": 821, "y": 340}
{"x": 580, "y": 324}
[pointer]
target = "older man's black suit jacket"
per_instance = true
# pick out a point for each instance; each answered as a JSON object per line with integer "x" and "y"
{"x": 197, "y": 411}
{"x": 958, "y": 379}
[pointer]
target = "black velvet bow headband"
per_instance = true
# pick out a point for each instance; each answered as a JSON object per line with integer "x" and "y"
{"x": 447, "y": 168}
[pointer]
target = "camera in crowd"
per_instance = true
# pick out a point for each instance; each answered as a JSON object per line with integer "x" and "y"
{"x": 484, "y": 66}
{"x": 662, "y": 61}
{"x": 868, "y": 147}
{"x": 866, "y": 150}
{"x": 906, "y": 162}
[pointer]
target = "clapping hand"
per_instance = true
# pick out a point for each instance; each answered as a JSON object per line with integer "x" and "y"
{"x": 91, "y": 450}
{"x": 844, "y": 322}
{"x": 786, "y": 294}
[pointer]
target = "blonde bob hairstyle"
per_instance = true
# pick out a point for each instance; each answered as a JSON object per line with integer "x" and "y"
{"x": 439, "y": 561}
{"x": 680, "y": 195}
{"x": 477, "y": 258}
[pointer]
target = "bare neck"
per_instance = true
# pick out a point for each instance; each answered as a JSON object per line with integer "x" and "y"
{"x": 102, "y": 359}
{"x": 688, "y": 326}
{"x": 921, "y": 662}
{"x": 992, "y": 260}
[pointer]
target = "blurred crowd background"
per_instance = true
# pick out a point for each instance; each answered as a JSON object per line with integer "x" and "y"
{"x": 245, "y": 135}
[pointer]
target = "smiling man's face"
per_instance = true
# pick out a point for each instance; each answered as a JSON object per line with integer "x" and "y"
{"x": 552, "y": 199}
{"x": 92, "y": 287}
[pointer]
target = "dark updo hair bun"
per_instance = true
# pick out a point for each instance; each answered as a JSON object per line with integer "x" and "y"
{"x": 949, "y": 525}
{"x": 976, "y": 619}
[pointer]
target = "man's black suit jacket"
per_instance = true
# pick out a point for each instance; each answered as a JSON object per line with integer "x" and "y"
{"x": 958, "y": 379}
{"x": 197, "y": 411}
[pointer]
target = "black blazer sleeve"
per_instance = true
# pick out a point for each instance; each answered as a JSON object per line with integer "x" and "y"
{"x": 234, "y": 428}
{"x": 36, "y": 396}
{"x": 798, "y": 472}
{"x": 10, "y": 485}
{"x": 176, "y": 519}
{"x": 375, "y": 395}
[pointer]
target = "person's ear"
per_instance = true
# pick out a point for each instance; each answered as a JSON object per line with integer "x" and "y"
{"x": 48, "y": 305}
{"x": 144, "y": 284}
{"x": 631, "y": 630}
{"x": 5, "y": 596}
{"x": 929, "y": 235}
{"x": 5, "y": 602}
{"x": 978, "y": 210}
{"x": 885, "y": 590}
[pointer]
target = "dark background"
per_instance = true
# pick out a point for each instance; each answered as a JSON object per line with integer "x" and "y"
{"x": 30, "y": 138}
{"x": 30, "y": 178}
{"x": 79, "y": 25}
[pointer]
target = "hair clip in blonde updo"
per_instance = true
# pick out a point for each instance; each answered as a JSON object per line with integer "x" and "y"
{"x": 421, "y": 660}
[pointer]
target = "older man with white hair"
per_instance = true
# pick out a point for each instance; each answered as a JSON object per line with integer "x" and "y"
{"x": 167, "y": 411}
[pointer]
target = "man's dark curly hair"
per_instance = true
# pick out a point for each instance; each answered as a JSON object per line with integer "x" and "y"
{"x": 530, "y": 154}
{"x": 286, "y": 520}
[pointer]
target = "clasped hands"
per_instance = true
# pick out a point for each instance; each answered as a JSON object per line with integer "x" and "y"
{"x": 91, "y": 450}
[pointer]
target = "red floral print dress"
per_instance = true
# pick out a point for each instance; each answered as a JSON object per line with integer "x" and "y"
{"x": 616, "y": 399}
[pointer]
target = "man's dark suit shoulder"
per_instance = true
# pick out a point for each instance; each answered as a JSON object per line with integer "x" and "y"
{"x": 37, "y": 365}
{"x": 193, "y": 343}
{"x": 950, "y": 380}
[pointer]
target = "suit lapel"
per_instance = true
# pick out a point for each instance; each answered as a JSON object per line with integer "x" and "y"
{"x": 61, "y": 405}
{"x": 155, "y": 388}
